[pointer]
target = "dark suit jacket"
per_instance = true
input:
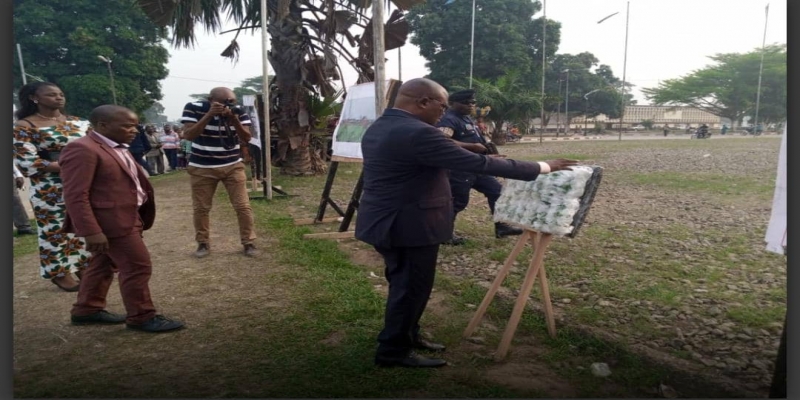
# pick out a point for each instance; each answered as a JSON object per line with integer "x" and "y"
{"x": 99, "y": 191}
{"x": 406, "y": 200}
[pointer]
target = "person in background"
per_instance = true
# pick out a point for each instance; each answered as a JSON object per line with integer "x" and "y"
{"x": 183, "y": 157}
{"x": 186, "y": 149}
{"x": 41, "y": 131}
{"x": 170, "y": 143}
{"x": 21, "y": 220}
{"x": 155, "y": 157}
{"x": 140, "y": 146}
{"x": 724, "y": 129}
{"x": 459, "y": 126}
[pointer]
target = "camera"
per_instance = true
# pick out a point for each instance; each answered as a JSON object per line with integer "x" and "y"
{"x": 236, "y": 109}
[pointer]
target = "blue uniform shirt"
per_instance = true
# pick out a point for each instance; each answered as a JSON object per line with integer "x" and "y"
{"x": 460, "y": 128}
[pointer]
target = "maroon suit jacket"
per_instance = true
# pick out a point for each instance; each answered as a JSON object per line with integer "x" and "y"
{"x": 99, "y": 191}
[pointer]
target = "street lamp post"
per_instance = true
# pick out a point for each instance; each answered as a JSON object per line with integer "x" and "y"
{"x": 586, "y": 110}
{"x": 111, "y": 76}
{"x": 558, "y": 110}
{"x": 566, "y": 101}
{"x": 624, "y": 63}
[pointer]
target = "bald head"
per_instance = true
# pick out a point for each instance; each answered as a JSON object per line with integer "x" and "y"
{"x": 106, "y": 113}
{"x": 115, "y": 122}
{"x": 424, "y": 98}
{"x": 421, "y": 87}
{"x": 221, "y": 94}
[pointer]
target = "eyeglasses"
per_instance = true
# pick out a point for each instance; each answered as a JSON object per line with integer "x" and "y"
{"x": 444, "y": 106}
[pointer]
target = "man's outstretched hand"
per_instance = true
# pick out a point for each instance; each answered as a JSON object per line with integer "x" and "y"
{"x": 561, "y": 164}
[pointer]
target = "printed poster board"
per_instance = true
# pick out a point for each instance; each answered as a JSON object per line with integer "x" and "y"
{"x": 358, "y": 113}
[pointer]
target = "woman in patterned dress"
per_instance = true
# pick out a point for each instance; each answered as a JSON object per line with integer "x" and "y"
{"x": 41, "y": 131}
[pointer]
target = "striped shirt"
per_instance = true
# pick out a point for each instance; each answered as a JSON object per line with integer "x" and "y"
{"x": 208, "y": 149}
{"x": 170, "y": 141}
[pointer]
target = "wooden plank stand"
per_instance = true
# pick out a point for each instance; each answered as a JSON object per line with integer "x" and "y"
{"x": 539, "y": 242}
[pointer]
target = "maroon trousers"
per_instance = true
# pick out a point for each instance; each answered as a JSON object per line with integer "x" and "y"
{"x": 132, "y": 260}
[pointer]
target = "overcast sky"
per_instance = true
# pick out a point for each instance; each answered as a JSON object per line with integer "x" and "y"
{"x": 666, "y": 39}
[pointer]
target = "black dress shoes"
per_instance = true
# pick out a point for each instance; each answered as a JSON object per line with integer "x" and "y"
{"x": 423, "y": 344}
{"x": 412, "y": 360}
{"x": 455, "y": 241}
{"x": 502, "y": 230}
{"x": 157, "y": 324}
{"x": 99, "y": 318}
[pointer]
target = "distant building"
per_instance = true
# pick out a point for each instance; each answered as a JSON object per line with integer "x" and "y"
{"x": 671, "y": 116}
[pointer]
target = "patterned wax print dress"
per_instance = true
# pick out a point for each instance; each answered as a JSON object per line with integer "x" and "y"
{"x": 34, "y": 149}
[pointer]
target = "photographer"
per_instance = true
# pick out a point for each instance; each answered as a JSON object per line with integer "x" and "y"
{"x": 216, "y": 127}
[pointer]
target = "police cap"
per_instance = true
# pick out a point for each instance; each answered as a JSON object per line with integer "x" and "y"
{"x": 462, "y": 96}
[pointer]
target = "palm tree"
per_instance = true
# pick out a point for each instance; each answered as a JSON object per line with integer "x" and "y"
{"x": 308, "y": 37}
{"x": 509, "y": 97}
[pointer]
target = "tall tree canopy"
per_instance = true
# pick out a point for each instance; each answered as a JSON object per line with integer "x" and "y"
{"x": 728, "y": 88}
{"x": 508, "y": 60}
{"x": 507, "y": 38}
{"x": 61, "y": 40}
{"x": 308, "y": 38}
{"x": 585, "y": 76}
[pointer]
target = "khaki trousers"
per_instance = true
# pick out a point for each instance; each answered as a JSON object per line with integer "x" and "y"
{"x": 204, "y": 184}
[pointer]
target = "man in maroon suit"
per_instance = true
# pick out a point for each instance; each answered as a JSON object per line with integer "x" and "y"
{"x": 110, "y": 201}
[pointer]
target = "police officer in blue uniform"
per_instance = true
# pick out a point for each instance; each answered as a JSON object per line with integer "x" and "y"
{"x": 459, "y": 126}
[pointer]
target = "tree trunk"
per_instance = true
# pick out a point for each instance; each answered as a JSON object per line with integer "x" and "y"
{"x": 498, "y": 137}
{"x": 287, "y": 56}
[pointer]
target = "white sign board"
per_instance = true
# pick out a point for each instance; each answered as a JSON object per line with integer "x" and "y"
{"x": 551, "y": 203}
{"x": 358, "y": 113}
{"x": 776, "y": 230}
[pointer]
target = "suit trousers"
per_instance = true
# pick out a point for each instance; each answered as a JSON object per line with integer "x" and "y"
{"x": 132, "y": 259}
{"x": 410, "y": 272}
{"x": 21, "y": 220}
{"x": 488, "y": 185}
{"x": 172, "y": 157}
{"x": 156, "y": 164}
{"x": 204, "y": 184}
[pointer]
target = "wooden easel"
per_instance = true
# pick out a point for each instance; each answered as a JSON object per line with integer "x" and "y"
{"x": 345, "y": 217}
{"x": 539, "y": 242}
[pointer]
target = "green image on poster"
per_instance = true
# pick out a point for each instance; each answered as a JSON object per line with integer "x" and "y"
{"x": 352, "y": 130}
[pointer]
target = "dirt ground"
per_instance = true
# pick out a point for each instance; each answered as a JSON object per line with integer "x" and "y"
{"x": 219, "y": 297}
{"x": 208, "y": 296}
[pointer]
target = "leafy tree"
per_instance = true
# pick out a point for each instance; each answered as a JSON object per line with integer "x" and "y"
{"x": 154, "y": 114}
{"x": 506, "y": 37}
{"x": 511, "y": 101}
{"x": 307, "y": 38}
{"x": 728, "y": 88}
{"x": 61, "y": 40}
{"x": 648, "y": 124}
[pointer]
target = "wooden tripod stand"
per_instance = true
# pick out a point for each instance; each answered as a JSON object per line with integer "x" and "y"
{"x": 539, "y": 241}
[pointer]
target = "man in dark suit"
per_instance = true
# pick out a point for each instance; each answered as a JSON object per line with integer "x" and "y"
{"x": 406, "y": 210}
{"x": 110, "y": 201}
